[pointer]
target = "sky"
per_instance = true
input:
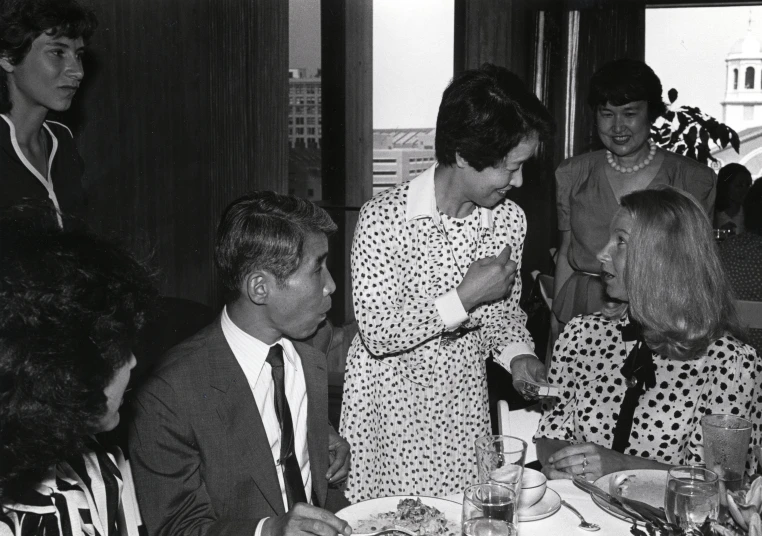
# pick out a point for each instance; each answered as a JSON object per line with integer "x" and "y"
{"x": 413, "y": 53}
{"x": 690, "y": 56}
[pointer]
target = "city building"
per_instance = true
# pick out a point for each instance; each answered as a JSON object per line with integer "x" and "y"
{"x": 400, "y": 154}
{"x": 742, "y": 106}
{"x": 304, "y": 133}
{"x": 304, "y": 102}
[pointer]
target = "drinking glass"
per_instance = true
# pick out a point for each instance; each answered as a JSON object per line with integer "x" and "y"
{"x": 500, "y": 459}
{"x": 692, "y": 496}
{"x": 726, "y": 445}
{"x": 490, "y": 510}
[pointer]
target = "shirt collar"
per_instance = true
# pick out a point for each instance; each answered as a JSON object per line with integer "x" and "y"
{"x": 247, "y": 347}
{"x": 422, "y": 202}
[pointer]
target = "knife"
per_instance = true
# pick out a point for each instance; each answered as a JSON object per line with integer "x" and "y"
{"x": 592, "y": 489}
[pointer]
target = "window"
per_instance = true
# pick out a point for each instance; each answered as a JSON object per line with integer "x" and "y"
{"x": 305, "y": 159}
{"x": 748, "y": 112}
{"x": 413, "y": 45}
{"x": 703, "y": 58}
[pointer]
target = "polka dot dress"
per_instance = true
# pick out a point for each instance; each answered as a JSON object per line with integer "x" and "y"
{"x": 742, "y": 259}
{"x": 666, "y": 427}
{"x": 415, "y": 402}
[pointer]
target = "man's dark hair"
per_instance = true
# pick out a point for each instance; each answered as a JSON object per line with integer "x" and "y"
{"x": 71, "y": 306}
{"x": 625, "y": 80}
{"x": 23, "y": 21}
{"x": 484, "y": 114}
{"x": 266, "y": 231}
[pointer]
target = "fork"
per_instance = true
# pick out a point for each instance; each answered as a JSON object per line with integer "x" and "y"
{"x": 395, "y": 528}
{"x": 584, "y": 525}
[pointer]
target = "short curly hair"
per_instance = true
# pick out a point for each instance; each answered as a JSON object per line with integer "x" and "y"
{"x": 484, "y": 114}
{"x": 625, "y": 80}
{"x": 71, "y": 306}
{"x": 23, "y": 21}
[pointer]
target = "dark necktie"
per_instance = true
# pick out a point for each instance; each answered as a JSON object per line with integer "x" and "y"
{"x": 639, "y": 373}
{"x": 292, "y": 475}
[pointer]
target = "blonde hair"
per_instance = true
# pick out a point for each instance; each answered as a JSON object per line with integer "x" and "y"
{"x": 676, "y": 285}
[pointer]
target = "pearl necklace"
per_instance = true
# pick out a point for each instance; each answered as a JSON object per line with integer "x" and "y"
{"x": 622, "y": 169}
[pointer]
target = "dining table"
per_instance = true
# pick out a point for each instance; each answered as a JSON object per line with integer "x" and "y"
{"x": 564, "y": 521}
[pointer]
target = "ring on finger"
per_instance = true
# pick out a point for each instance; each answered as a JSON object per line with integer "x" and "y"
{"x": 585, "y": 463}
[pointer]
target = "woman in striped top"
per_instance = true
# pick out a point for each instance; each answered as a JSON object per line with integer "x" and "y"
{"x": 70, "y": 308}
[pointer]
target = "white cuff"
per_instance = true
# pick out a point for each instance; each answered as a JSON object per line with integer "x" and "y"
{"x": 512, "y": 350}
{"x": 451, "y": 309}
{"x": 258, "y": 530}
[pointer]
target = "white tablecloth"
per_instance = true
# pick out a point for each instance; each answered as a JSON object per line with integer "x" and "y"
{"x": 565, "y": 522}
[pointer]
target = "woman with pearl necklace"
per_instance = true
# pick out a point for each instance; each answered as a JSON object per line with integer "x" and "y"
{"x": 626, "y": 97}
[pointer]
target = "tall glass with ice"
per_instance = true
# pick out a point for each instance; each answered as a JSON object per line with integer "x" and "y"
{"x": 500, "y": 459}
{"x": 726, "y": 446}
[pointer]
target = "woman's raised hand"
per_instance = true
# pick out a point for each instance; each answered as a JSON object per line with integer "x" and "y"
{"x": 487, "y": 279}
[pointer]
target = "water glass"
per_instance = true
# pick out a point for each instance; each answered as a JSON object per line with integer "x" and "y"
{"x": 500, "y": 458}
{"x": 726, "y": 445}
{"x": 490, "y": 510}
{"x": 692, "y": 496}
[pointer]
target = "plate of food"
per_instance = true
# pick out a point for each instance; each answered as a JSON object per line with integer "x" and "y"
{"x": 426, "y": 516}
{"x": 644, "y": 485}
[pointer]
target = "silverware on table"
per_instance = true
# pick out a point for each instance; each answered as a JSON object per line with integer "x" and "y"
{"x": 395, "y": 528}
{"x": 592, "y": 489}
{"x": 584, "y": 524}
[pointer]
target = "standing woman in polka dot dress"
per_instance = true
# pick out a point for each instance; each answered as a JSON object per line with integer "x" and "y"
{"x": 436, "y": 291}
{"x": 636, "y": 379}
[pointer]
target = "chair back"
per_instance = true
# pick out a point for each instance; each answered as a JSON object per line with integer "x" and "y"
{"x": 749, "y": 313}
{"x": 521, "y": 423}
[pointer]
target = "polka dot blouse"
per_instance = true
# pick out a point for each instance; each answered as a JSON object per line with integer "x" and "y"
{"x": 586, "y": 364}
{"x": 415, "y": 402}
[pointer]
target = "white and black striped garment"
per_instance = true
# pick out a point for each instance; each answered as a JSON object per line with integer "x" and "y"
{"x": 90, "y": 496}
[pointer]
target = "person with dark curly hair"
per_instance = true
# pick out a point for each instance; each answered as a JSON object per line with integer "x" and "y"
{"x": 626, "y": 98}
{"x": 41, "y": 47}
{"x": 436, "y": 286}
{"x": 71, "y": 306}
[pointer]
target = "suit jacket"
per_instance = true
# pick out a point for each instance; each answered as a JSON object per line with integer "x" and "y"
{"x": 200, "y": 456}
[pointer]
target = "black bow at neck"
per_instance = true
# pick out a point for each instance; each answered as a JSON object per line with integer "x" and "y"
{"x": 639, "y": 372}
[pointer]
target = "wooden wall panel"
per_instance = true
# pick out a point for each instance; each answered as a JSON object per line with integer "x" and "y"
{"x": 347, "y": 143}
{"x": 184, "y": 109}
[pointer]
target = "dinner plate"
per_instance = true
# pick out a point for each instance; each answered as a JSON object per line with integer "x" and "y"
{"x": 644, "y": 485}
{"x": 364, "y": 510}
{"x": 545, "y": 507}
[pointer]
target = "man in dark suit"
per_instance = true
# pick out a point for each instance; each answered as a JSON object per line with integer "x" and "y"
{"x": 231, "y": 432}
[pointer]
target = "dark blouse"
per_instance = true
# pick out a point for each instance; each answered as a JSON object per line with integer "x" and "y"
{"x": 19, "y": 183}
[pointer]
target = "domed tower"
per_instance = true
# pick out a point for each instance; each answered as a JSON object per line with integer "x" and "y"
{"x": 742, "y": 107}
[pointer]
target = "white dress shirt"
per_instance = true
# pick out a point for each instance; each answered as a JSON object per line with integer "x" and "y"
{"x": 251, "y": 354}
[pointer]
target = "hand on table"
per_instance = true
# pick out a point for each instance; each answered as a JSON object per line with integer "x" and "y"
{"x": 528, "y": 368}
{"x": 586, "y": 459}
{"x": 487, "y": 279}
{"x": 338, "y": 456}
{"x": 306, "y": 519}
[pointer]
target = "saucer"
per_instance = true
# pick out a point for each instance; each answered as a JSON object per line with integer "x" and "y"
{"x": 546, "y": 507}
